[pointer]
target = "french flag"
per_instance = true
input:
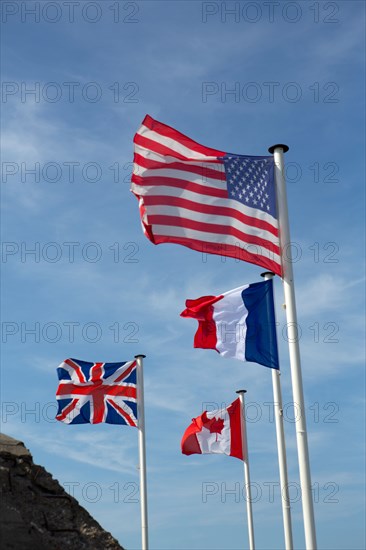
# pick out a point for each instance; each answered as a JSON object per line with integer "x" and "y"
{"x": 215, "y": 432}
{"x": 238, "y": 324}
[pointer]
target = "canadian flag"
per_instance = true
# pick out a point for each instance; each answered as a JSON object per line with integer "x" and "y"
{"x": 217, "y": 431}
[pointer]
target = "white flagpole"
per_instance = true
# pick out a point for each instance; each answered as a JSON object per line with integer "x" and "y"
{"x": 246, "y": 471}
{"x": 142, "y": 451}
{"x": 281, "y": 448}
{"x": 294, "y": 349}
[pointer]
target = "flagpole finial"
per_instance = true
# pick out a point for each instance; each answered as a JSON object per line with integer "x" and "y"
{"x": 241, "y": 391}
{"x": 271, "y": 149}
{"x": 140, "y": 355}
{"x": 267, "y": 274}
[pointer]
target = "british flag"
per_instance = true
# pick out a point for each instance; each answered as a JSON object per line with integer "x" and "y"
{"x": 90, "y": 393}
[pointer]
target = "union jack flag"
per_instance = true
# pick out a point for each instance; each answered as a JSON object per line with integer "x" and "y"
{"x": 90, "y": 393}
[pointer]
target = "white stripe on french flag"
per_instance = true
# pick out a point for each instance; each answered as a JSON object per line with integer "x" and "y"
{"x": 238, "y": 324}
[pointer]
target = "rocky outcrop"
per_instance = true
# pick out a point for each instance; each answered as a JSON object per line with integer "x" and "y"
{"x": 36, "y": 513}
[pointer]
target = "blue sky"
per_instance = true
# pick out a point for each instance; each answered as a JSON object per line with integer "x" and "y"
{"x": 95, "y": 288}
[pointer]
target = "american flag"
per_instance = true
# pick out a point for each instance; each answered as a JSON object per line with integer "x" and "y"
{"x": 90, "y": 393}
{"x": 208, "y": 200}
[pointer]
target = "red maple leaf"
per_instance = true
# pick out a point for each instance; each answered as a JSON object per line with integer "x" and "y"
{"x": 215, "y": 425}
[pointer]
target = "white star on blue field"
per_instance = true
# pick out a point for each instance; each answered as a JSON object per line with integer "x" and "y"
{"x": 248, "y": 180}
{"x": 80, "y": 279}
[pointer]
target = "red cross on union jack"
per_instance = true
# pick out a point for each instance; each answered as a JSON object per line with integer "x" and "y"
{"x": 97, "y": 392}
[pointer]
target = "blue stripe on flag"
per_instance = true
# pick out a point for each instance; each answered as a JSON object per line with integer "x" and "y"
{"x": 261, "y": 340}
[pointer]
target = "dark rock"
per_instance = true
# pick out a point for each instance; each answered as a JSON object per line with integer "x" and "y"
{"x": 36, "y": 513}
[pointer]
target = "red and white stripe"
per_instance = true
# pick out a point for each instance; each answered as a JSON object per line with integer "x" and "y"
{"x": 183, "y": 199}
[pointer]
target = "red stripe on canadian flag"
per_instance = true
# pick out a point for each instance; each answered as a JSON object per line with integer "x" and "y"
{"x": 214, "y": 432}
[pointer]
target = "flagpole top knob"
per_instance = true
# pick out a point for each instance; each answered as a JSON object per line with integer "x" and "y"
{"x": 241, "y": 391}
{"x": 272, "y": 149}
{"x": 140, "y": 355}
{"x": 268, "y": 274}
